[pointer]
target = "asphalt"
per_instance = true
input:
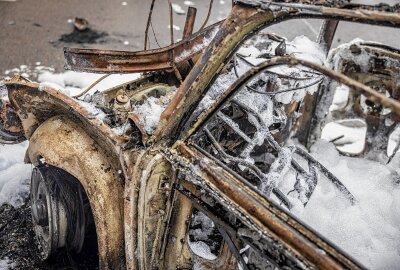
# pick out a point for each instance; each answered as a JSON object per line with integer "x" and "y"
{"x": 31, "y": 31}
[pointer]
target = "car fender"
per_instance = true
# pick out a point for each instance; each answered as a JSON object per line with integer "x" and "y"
{"x": 63, "y": 143}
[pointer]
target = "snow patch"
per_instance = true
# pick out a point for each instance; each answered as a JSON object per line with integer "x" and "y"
{"x": 175, "y": 27}
{"x": 340, "y": 98}
{"x": 188, "y": 3}
{"x": 349, "y": 135}
{"x": 197, "y": 48}
{"x": 6, "y": 264}
{"x": 178, "y": 9}
{"x": 150, "y": 112}
{"x": 201, "y": 249}
{"x": 303, "y": 48}
{"x": 72, "y": 83}
{"x": 14, "y": 174}
{"x": 394, "y": 140}
{"x": 344, "y": 52}
{"x": 69, "y": 82}
{"x": 368, "y": 230}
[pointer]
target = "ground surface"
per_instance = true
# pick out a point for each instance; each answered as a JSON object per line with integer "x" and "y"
{"x": 30, "y": 30}
{"x": 18, "y": 245}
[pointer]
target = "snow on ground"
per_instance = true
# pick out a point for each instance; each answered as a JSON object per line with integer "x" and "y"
{"x": 72, "y": 83}
{"x": 368, "y": 230}
{"x": 69, "y": 82}
{"x": 6, "y": 264}
{"x": 178, "y": 9}
{"x": 351, "y": 134}
{"x": 14, "y": 174}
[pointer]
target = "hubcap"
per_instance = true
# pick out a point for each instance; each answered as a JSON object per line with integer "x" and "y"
{"x": 39, "y": 212}
{"x": 48, "y": 216}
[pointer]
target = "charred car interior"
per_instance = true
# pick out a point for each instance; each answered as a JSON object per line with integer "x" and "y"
{"x": 198, "y": 163}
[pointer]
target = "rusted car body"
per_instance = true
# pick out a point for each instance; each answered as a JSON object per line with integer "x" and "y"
{"x": 144, "y": 188}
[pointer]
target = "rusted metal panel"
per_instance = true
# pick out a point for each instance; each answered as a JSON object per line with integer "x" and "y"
{"x": 189, "y": 23}
{"x": 34, "y": 106}
{"x": 134, "y": 160}
{"x": 267, "y": 216}
{"x": 103, "y": 61}
{"x": 156, "y": 220}
{"x": 63, "y": 143}
{"x": 177, "y": 254}
{"x": 82, "y": 145}
{"x": 154, "y": 205}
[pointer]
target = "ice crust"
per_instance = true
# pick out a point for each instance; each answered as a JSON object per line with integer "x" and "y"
{"x": 301, "y": 47}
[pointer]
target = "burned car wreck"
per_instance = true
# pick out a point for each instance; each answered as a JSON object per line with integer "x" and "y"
{"x": 200, "y": 146}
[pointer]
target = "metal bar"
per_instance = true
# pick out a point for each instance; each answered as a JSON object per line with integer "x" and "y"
{"x": 128, "y": 62}
{"x": 205, "y": 208}
{"x": 208, "y": 14}
{"x": 337, "y": 183}
{"x": 265, "y": 215}
{"x": 306, "y": 124}
{"x": 146, "y": 32}
{"x": 240, "y": 24}
{"x": 370, "y": 93}
{"x": 109, "y": 61}
{"x": 272, "y": 143}
{"x": 229, "y": 122}
{"x": 233, "y": 248}
{"x": 278, "y": 193}
{"x": 171, "y": 22}
{"x": 189, "y": 23}
{"x": 327, "y": 33}
{"x": 221, "y": 223}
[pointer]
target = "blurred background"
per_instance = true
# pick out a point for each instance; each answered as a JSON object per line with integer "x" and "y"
{"x": 34, "y": 32}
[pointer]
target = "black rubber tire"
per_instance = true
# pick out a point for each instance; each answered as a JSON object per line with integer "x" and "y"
{"x": 67, "y": 205}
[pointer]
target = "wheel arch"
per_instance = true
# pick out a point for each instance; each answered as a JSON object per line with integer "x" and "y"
{"x": 63, "y": 143}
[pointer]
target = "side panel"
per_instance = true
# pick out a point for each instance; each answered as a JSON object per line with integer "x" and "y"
{"x": 64, "y": 144}
{"x": 149, "y": 207}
